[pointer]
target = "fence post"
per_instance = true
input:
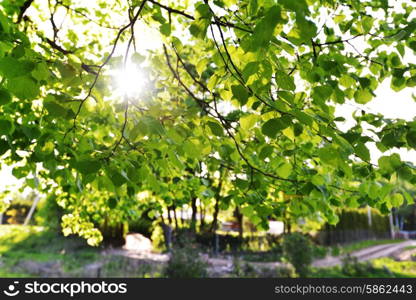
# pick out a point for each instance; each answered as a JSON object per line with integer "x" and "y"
{"x": 391, "y": 225}
{"x": 370, "y": 221}
{"x": 216, "y": 244}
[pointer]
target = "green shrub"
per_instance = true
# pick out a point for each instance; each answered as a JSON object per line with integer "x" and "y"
{"x": 286, "y": 271}
{"x": 353, "y": 268}
{"x": 185, "y": 263}
{"x": 243, "y": 269}
{"x": 49, "y": 213}
{"x": 274, "y": 255}
{"x": 319, "y": 251}
{"x": 143, "y": 225}
{"x": 298, "y": 250}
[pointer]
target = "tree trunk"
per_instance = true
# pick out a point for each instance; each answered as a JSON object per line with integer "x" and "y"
{"x": 288, "y": 226}
{"x": 214, "y": 223}
{"x": 32, "y": 210}
{"x": 169, "y": 217}
{"x": 202, "y": 220}
{"x": 239, "y": 217}
{"x": 175, "y": 217}
{"x": 194, "y": 213}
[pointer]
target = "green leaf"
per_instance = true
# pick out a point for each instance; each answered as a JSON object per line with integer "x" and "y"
{"x": 329, "y": 156}
{"x": 303, "y": 117}
{"x": 367, "y": 23}
{"x": 55, "y": 109}
{"x": 30, "y": 132}
{"x": 385, "y": 190}
{"x": 241, "y": 184}
{"x": 4, "y": 146}
{"x": 389, "y": 164}
{"x": 112, "y": 202}
{"x": 411, "y": 82}
{"x": 362, "y": 151}
{"x": 5, "y": 97}
{"x": 208, "y": 193}
{"x": 266, "y": 151}
{"x": 117, "y": 178}
{"x": 264, "y": 30}
{"x": 362, "y": 96}
{"x": 87, "y": 166}
{"x": 409, "y": 199}
{"x": 5, "y": 23}
{"x": 250, "y": 69}
{"x": 23, "y": 87}
{"x": 137, "y": 58}
{"x": 397, "y": 200}
{"x": 405, "y": 173}
{"x": 253, "y": 7}
{"x": 284, "y": 170}
{"x": 199, "y": 28}
{"x": 41, "y": 72}
{"x": 153, "y": 125}
{"x": 6, "y": 127}
{"x": 285, "y": 81}
{"x": 411, "y": 138}
{"x": 299, "y": 6}
{"x": 248, "y": 211}
{"x": 11, "y": 67}
{"x": 165, "y": 29}
{"x": 302, "y": 32}
{"x": 247, "y": 122}
{"x": 240, "y": 93}
{"x": 273, "y": 126}
{"x": 321, "y": 93}
{"x": 216, "y": 128}
{"x": 203, "y": 11}
{"x": 346, "y": 81}
{"x": 318, "y": 179}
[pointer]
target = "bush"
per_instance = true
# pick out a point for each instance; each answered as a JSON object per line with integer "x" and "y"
{"x": 158, "y": 239}
{"x": 143, "y": 225}
{"x": 185, "y": 263}
{"x": 298, "y": 250}
{"x": 273, "y": 255}
{"x": 319, "y": 251}
{"x": 286, "y": 271}
{"x": 353, "y": 268}
{"x": 49, "y": 213}
{"x": 245, "y": 269}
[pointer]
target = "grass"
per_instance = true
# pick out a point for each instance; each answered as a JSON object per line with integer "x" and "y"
{"x": 336, "y": 272}
{"x": 270, "y": 256}
{"x": 404, "y": 268}
{"x": 34, "y": 243}
{"x": 378, "y": 268}
{"x": 5, "y": 273}
{"x": 37, "y": 244}
{"x": 344, "y": 249}
{"x": 409, "y": 248}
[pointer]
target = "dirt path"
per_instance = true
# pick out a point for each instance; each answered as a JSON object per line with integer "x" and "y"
{"x": 224, "y": 265}
{"x": 366, "y": 253}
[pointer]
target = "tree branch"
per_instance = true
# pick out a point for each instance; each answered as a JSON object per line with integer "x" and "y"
{"x": 188, "y": 16}
{"x": 23, "y": 9}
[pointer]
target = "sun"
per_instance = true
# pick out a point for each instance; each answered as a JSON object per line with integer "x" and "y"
{"x": 130, "y": 81}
